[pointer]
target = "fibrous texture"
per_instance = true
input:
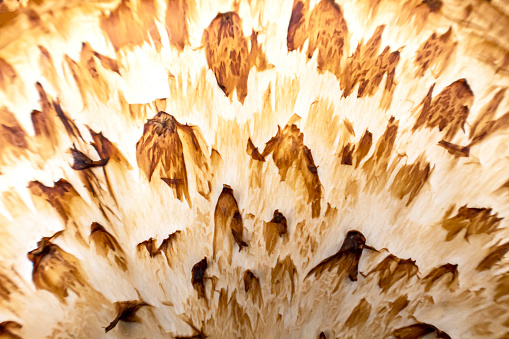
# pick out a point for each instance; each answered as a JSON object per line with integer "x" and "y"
{"x": 254, "y": 169}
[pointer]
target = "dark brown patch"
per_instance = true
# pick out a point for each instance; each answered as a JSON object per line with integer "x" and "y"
{"x": 54, "y": 269}
{"x": 126, "y": 311}
{"x": 83, "y": 162}
{"x": 227, "y": 53}
{"x": 272, "y": 230}
{"x": 198, "y": 274}
{"x": 106, "y": 243}
{"x": 473, "y": 220}
{"x": 410, "y": 179}
{"x": 228, "y": 224}
{"x": 284, "y": 268}
{"x": 176, "y": 23}
{"x": 252, "y": 287}
{"x": 417, "y": 331}
{"x": 456, "y": 150}
{"x": 346, "y": 154}
{"x": 322, "y": 336}
{"x": 327, "y": 33}
{"x": 161, "y": 149}
{"x": 59, "y": 196}
{"x": 8, "y": 330}
{"x": 364, "y": 147}
{"x": 7, "y": 74}
{"x": 359, "y": 316}
{"x": 252, "y": 151}
{"x": 392, "y": 269}
{"x": 437, "y": 273}
{"x": 448, "y": 110}
{"x": 496, "y": 254}
{"x": 297, "y": 27}
{"x": 288, "y": 150}
{"x": 437, "y": 50}
{"x": 346, "y": 259}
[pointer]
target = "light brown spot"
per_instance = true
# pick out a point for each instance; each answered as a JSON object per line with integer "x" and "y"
{"x": 288, "y": 150}
{"x": 176, "y": 23}
{"x": 284, "y": 269}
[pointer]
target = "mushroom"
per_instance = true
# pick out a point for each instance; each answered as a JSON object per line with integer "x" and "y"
{"x": 254, "y": 169}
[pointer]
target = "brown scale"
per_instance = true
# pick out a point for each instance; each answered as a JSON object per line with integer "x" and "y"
{"x": 419, "y": 330}
{"x": 228, "y": 225}
{"x": 13, "y": 138}
{"x": 359, "y": 316}
{"x": 448, "y": 110}
{"x": 440, "y": 272}
{"x": 86, "y": 74}
{"x": 410, "y": 179}
{"x": 106, "y": 243}
{"x": 176, "y": 22}
{"x": 285, "y": 268}
{"x": 486, "y": 125}
{"x": 9, "y": 329}
{"x": 59, "y": 196}
{"x": 198, "y": 276}
{"x": 166, "y": 246}
{"x": 346, "y": 259}
{"x": 297, "y": 33}
{"x": 227, "y": 53}
{"x": 496, "y": 254}
{"x": 473, "y": 220}
{"x": 274, "y": 229}
{"x": 456, "y": 150}
{"x": 44, "y": 123}
{"x": 252, "y": 287}
{"x": 364, "y": 146}
{"x": 55, "y": 270}
{"x": 288, "y": 150}
{"x": 437, "y": 50}
{"x": 328, "y": 33}
{"x": 126, "y": 29}
{"x": 168, "y": 148}
{"x": 7, "y": 74}
{"x": 126, "y": 311}
{"x": 362, "y": 60}
{"x": 346, "y": 154}
{"x": 392, "y": 269}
